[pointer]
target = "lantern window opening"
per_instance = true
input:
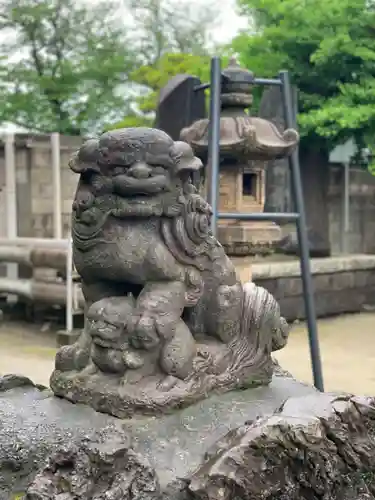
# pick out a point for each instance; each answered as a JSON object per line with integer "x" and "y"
{"x": 249, "y": 184}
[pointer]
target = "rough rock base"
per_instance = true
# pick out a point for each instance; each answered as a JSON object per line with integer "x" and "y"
{"x": 99, "y": 469}
{"x": 35, "y": 425}
{"x": 312, "y": 447}
{"x": 316, "y": 447}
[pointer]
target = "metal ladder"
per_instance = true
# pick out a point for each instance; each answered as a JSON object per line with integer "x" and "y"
{"x": 299, "y": 217}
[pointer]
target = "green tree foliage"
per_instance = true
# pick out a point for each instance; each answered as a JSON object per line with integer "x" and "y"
{"x": 329, "y": 49}
{"x": 171, "y": 37}
{"x": 64, "y": 64}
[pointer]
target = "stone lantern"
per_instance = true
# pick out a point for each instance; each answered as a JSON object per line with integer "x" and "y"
{"x": 247, "y": 143}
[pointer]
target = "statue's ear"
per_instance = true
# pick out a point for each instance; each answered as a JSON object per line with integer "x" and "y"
{"x": 75, "y": 164}
{"x": 85, "y": 159}
{"x": 184, "y": 159}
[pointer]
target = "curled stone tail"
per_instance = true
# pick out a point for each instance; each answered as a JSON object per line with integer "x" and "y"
{"x": 263, "y": 330}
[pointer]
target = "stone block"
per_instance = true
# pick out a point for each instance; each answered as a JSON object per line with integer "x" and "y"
{"x": 41, "y": 158}
{"x": 290, "y": 287}
{"x": 339, "y": 302}
{"x": 370, "y": 277}
{"x": 361, "y": 278}
{"x": 42, "y": 190}
{"x": 273, "y": 286}
{"x": 342, "y": 280}
{"x": 370, "y": 296}
{"x": 42, "y": 225}
{"x": 322, "y": 282}
{"x": 327, "y": 303}
{"x": 292, "y": 308}
{"x": 42, "y": 206}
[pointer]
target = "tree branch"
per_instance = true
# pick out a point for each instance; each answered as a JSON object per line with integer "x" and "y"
{"x": 58, "y": 48}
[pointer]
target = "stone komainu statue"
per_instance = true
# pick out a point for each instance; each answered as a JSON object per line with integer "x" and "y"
{"x": 167, "y": 319}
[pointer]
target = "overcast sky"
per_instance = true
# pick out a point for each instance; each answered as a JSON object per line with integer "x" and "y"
{"x": 229, "y": 22}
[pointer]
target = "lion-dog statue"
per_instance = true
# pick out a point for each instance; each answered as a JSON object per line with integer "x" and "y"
{"x": 167, "y": 320}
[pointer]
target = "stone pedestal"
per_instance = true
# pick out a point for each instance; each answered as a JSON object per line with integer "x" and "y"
{"x": 242, "y": 191}
{"x": 248, "y": 238}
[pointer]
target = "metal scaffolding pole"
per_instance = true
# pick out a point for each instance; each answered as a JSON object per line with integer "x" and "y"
{"x": 307, "y": 283}
{"x": 214, "y": 140}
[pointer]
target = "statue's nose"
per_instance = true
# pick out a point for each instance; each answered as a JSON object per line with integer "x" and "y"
{"x": 140, "y": 171}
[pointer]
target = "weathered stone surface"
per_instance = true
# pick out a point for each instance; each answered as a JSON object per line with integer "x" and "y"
{"x": 321, "y": 446}
{"x": 93, "y": 470}
{"x": 311, "y": 446}
{"x": 177, "y": 490}
{"x": 34, "y": 425}
{"x": 12, "y": 381}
